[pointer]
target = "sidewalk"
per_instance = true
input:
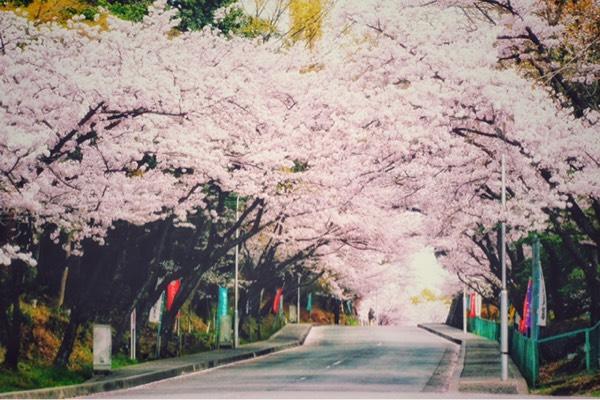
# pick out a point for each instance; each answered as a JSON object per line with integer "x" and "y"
{"x": 291, "y": 335}
{"x": 479, "y": 368}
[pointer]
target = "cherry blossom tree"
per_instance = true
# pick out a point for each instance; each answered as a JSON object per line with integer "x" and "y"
{"x": 347, "y": 154}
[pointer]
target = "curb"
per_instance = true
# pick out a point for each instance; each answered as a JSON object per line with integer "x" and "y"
{"x": 454, "y": 384}
{"x": 460, "y": 365}
{"x": 85, "y": 389}
{"x": 479, "y": 386}
{"x": 447, "y": 337}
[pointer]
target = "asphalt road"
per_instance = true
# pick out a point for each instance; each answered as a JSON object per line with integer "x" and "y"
{"x": 335, "y": 361}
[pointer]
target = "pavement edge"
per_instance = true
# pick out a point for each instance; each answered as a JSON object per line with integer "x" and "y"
{"x": 520, "y": 384}
{"x": 88, "y": 388}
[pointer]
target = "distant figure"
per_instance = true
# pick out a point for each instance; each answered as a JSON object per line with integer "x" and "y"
{"x": 371, "y": 316}
{"x": 336, "y": 310}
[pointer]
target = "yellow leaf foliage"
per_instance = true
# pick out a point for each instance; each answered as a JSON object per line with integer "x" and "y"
{"x": 257, "y": 27}
{"x": 581, "y": 17}
{"x": 306, "y": 20}
{"x": 59, "y": 11}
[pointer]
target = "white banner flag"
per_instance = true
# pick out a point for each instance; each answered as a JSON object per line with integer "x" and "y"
{"x": 542, "y": 310}
{"x": 156, "y": 311}
{"x": 478, "y": 304}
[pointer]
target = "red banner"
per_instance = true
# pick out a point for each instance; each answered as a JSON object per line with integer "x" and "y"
{"x": 525, "y": 323}
{"x": 473, "y": 313}
{"x": 277, "y": 300}
{"x": 172, "y": 289}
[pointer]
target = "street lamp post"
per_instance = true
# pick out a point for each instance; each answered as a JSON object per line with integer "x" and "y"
{"x": 464, "y": 309}
{"x": 298, "y": 306}
{"x": 236, "y": 317}
{"x": 503, "y": 293}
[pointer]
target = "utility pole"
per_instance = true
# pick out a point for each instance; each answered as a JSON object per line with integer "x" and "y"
{"x": 298, "y": 312}
{"x": 236, "y": 317}
{"x": 464, "y": 309}
{"x": 503, "y": 293}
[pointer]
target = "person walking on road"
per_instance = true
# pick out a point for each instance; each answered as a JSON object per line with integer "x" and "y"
{"x": 371, "y": 316}
{"x": 336, "y": 311}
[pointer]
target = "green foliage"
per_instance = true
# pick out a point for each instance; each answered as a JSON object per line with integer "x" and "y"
{"x": 253, "y": 330}
{"x": 121, "y": 360}
{"x": 249, "y": 329}
{"x": 198, "y": 341}
{"x": 351, "y": 320}
{"x": 300, "y": 166}
{"x": 196, "y": 14}
{"x": 234, "y": 20}
{"x": 32, "y": 376}
{"x": 128, "y": 10}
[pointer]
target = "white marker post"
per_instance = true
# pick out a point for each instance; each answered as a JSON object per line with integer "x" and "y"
{"x": 236, "y": 316}
{"x": 298, "y": 308}
{"x": 503, "y": 293}
{"x": 132, "y": 334}
{"x": 464, "y": 309}
{"x": 102, "y": 348}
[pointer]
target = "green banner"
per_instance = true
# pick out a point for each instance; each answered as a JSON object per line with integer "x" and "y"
{"x": 309, "y": 303}
{"x": 222, "y": 306}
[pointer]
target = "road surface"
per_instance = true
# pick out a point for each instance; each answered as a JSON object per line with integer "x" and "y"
{"x": 335, "y": 361}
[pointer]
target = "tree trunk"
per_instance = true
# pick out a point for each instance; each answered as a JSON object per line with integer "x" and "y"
{"x": 553, "y": 281}
{"x": 63, "y": 286}
{"x": 593, "y": 287}
{"x": 66, "y": 346}
{"x": 13, "y": 347}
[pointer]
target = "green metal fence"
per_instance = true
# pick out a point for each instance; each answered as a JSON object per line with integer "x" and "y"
{"x": 525, "y": 352}
{"x": 594, "y": 338}
{"x": 483, "y": 327}
{"x": 591, "y": 344}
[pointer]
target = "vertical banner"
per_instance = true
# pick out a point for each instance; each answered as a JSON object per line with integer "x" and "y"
{"x": 464, "y": 310}
{"x": 543, "y": 305}
{"x": 525, "y": 323}
{"x": 540, "y": 288}
{"x": 222, "y": 305}
{"x": 472, "y": 313}
{"x": 281, "y": 304}
{"x": 309, "y": 303}
{"x": 478, "y": 301}
{"x": 156, "y": 311}
{"x": 172, "y": 289}
{"x": 159, "y": 306}
{"x": 277, "y": 300}
{"x": 132, "y": 335}
{"x": 222, "y": 324}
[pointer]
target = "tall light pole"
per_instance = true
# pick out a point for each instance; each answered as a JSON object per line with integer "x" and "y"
{"x": 503, "y": 293}
{"x": 236, "y": 317}
{"x": 298, "y": 313}
{"x": 464, "y": 309}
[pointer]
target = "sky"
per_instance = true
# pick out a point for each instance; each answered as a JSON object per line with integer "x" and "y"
{"x": 401, "y": 299}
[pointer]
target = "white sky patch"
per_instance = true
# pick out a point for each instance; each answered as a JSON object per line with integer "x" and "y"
{"x": 428, "y": 273}
{"x": 394, "y": 299}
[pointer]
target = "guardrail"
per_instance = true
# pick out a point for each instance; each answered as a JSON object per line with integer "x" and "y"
{"x": 591, "y": 347}
{"x": 525, "y": 351}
